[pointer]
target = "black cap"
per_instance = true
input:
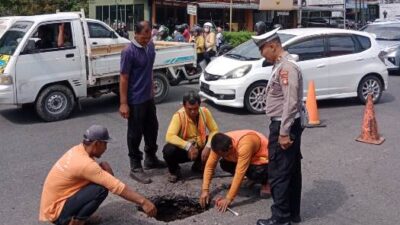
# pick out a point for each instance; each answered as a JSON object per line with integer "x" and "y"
{"x": 97, "y": 133}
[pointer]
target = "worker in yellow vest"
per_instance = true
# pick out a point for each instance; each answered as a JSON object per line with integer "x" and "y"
{"x": 187, "y": 138}
{"x": 243, "y": 153}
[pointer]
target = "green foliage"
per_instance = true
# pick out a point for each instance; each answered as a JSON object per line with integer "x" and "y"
{"x": 36, "y": 7}
{"x": 237, "y": 38}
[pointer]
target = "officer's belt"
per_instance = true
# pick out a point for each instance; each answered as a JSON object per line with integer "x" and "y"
{"x": 277, "y": 118}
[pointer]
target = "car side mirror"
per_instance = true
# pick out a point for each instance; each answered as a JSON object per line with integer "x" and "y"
{"x": 265, "y": 63}
{"x": 295, "y": 57}
{"x": 113, "y": 35}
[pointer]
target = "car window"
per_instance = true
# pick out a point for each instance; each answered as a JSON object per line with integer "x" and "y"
{"x": 365, "y": 42}
{"x": 249, "y": 50}
{"x": 50, "y": 37}
{"x": 309, "y": 49}
{"x": 384, "y": 32}
{"x": 340, "y": 45}
{"x": 98, "y": 31}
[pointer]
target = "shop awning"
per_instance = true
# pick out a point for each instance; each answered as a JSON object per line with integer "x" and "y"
{"x": 224, "y": 5}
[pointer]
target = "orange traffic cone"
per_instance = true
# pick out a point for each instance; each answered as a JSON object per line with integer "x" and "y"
{"x": 311, "y": 105}
{"x": 369, "y": 129}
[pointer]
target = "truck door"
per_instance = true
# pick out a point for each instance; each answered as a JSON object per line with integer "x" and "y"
{"x": 50, "y": 55}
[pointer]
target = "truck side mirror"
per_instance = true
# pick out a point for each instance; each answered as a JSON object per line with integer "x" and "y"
{"x": 30, "y": 47}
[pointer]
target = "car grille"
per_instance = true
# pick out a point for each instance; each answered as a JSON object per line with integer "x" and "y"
{"x": 210, "y": 77}
{"x": 206, "y": 89}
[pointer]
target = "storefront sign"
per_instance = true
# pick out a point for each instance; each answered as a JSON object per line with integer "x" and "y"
{"x": 325, "y": 2}
{"x": 191, "y": 9}
{"x": 278, "y": 4}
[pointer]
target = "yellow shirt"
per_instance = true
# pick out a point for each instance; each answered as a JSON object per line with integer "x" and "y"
{"x": 247, "y": 147}
{"x": 172, "y": 136}
{"x": 74, "y": 170}
{"x": 200, "y": 45}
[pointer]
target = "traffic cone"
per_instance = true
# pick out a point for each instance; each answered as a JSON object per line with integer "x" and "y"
{"x": 311, "y": 105}
{"x": 369, "y": 130}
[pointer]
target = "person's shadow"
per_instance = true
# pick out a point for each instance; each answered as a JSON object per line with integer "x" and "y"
{"x": 325, "y": 197}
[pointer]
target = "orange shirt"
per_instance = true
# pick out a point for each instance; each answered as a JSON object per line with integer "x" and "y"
{"x": 74, "y": 170}
{"x": 247, "y": 147}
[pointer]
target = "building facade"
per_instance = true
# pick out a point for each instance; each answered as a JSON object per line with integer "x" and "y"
{"x": 114, "y": 12}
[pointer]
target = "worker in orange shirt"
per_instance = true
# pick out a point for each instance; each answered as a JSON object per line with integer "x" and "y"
{"x": 243, "y": 153}
{"x": 77, "y": 185}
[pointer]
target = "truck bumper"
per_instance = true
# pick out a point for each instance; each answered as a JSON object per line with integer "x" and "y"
{"x": 6, "y": 94}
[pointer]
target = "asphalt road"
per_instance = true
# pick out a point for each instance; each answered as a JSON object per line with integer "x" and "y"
{"x": 344, "y": 181}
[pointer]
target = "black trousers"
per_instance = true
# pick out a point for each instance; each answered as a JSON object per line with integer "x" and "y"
{"x": 82, "y": 204}
{"x": 257, "y": 173}
{"x": 142, "y": 122}
{"x": 208, "y": 55}
{"x": 285, "y": 172}
{"x": 174, "y": 156}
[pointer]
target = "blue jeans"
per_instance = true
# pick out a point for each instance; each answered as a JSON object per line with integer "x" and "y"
{"x": 82, "y": 204}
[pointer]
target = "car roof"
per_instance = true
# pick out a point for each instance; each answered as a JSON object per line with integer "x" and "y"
{"x": 319, "y": 31}
{"x": 389, "y": 22}
{"x": 49, "y": 17}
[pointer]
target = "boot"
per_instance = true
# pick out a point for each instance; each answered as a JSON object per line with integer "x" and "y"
{"x": 137, "y": 172}
{"x": 174, "y": 177}
{"x": 197, "y": 167}
{"x": 152, "y": 162}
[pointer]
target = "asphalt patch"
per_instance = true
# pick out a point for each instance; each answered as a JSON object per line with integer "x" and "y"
{"x": 171, "y": 208}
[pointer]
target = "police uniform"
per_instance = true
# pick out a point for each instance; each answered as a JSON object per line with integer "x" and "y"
{"x": 284, "y": 95}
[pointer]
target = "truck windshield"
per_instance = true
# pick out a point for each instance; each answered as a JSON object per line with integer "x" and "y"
{"x": 13, "y": 36}
{"x": 249, "y": 51}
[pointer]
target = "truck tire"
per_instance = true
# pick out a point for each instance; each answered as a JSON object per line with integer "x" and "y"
{"x": 370, "y": 84}
{"x": 55, "y": 103}
{"x": 161, "y": 87}
{"x": 254, "y": 98}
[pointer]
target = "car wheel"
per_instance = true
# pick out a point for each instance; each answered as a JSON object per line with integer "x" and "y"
{"x": 370, "y": 84}
{"x": 161, "y": 87}
{"x": 254, "y": 99}
{"x": 54, "y": 103}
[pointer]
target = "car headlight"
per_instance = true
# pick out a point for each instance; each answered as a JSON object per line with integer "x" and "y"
{"x": 391, "y": 49}
{"x": 237, "y": 73}
{"x": 5, "y": 79}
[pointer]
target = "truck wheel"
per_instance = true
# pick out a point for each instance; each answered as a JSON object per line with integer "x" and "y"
{"x": 161, "y": 87}
{"x": 370, "y": 84}
{"x": 54, "y": 103}
{"x": 254, "y": 98}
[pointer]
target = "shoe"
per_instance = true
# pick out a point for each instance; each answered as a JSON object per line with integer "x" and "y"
{"x": 174, "y": 177}
{"x": 139, "y": 175}
{"x": 295, "y": 219}
{"x": 152, "y": 162}
{"x": 93, "y": 220}
{"x": 197, "y": 167}
{"x": 271, "y": 221}
{"x": 265, "y": 191}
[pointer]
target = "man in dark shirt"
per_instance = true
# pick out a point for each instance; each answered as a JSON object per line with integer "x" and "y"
{"x": 137, "y": 101}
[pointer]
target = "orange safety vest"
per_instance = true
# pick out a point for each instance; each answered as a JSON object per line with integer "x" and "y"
{"x": 261, "y": 157}
{"x": 201, "y": 126}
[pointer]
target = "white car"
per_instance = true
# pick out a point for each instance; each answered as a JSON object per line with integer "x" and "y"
{"x": 342, "y": 63}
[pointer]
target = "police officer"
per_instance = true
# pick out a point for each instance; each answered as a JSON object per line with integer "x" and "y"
{"x": 284, "y": 95}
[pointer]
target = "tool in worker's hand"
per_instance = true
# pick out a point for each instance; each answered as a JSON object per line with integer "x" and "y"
{"x": 232, "y": 211}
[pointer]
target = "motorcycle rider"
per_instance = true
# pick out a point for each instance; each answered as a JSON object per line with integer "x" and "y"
{"x": 210, "y": 41}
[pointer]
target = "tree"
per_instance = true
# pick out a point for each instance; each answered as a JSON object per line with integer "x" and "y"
{"x": 35, "y": 7}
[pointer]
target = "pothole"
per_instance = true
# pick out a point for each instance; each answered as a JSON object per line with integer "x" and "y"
{"x": 171, "y": 208}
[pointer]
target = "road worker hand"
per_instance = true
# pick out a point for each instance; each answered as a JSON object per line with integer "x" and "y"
{"x": 204, "y": 198}
{"x": 284, "y": 141}
{"x": 204, "y": 154}
{"x": 222, "y": 204}
{"x": 124, "y": 110}
{"x": 193, "y": 153}
{"x": 149, "y": 208}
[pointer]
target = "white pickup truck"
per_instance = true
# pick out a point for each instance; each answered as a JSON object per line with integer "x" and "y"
{"x": 46, "y": 60}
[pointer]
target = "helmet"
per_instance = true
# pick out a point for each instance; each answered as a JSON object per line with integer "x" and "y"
{"x": 260, "y": 27}
{"x": 163, "y": 29}
{"x": 208, "y": 24}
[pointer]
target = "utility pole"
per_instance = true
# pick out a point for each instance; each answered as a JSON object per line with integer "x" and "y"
{"x": 230, "y": 16}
